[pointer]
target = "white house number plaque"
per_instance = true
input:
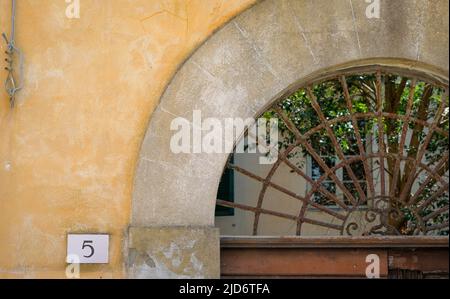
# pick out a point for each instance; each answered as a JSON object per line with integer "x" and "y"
{"x": 88, "y": 249}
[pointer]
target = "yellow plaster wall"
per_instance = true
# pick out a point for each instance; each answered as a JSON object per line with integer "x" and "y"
{"x": 68, "y": 150}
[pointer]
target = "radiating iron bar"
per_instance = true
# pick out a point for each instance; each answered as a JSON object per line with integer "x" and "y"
{"x": 437, "y": 226}
{"x": 286, "y": 191}
{"x": 362, "y": 150}
{"x": 417, "y": 174}
{"x": 435, "y": 213}
{"x": 321, "y": 223}
{"x": 435, "y": 195}
{"x": 266, "y": 182}
{"x": 422, "y": 187}
{"x": 377, "y": 155}
{"x": 254, "y": 210}
{"x": 369, "y": 115}
{"x": 281, "y": 157}
{"x": 277, "y": 214}
{"x": 291, "y": 126}
{"x": 405, "y": 127}
{"x": 315, "y": 185}
{"x": 423, "y": 148}
{"x": 335, "y": 143}
{"x": 420, "y": 166}
{"x": 381, "y": 146}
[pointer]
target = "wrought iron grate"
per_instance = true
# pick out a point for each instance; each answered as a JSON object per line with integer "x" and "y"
{"x": 377, "y": 146}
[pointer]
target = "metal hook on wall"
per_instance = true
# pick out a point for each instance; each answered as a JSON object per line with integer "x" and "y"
{"x": 14, "y": 81}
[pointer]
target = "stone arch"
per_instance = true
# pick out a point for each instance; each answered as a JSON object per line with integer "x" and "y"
{"x": 261, "y": 55}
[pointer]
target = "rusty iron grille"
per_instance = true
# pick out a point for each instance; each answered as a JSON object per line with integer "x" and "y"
{"x": 376, "y": 146}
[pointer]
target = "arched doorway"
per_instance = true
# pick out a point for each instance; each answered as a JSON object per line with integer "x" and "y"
{"x": 266, "y": 52}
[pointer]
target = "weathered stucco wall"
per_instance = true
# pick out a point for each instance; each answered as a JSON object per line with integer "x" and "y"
{"x": 68, "y": 150}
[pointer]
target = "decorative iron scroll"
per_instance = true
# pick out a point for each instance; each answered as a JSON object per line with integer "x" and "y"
{"x": 378, "y": 146}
